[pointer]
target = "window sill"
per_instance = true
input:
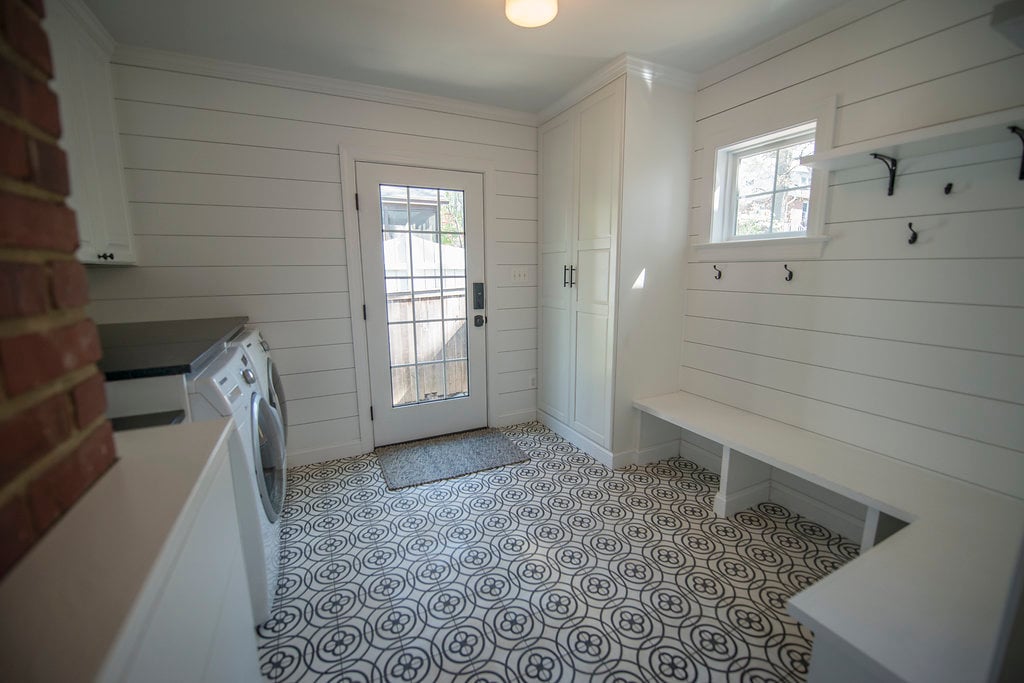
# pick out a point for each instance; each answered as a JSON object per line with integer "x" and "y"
{"x": 783, "y": 248}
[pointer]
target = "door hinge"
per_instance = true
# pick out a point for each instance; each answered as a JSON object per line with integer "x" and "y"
{"x": 364, "y": 311}
{"x": 357, "y": 201}
{"x": 371, "y": 413}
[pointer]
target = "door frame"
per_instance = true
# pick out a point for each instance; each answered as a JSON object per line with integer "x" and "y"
{"x": 353, "y": 148}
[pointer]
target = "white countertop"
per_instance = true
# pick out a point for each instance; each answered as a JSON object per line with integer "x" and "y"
{"x": 63, "y": 607}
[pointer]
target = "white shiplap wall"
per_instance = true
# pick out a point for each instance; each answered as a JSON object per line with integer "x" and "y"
{"x": 911, "y": 351}
{"x": 236, "y": 204}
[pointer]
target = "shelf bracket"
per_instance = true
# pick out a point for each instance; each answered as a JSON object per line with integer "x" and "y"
{"x": 1019, "y": 133}
{"x": 890, "y": 163}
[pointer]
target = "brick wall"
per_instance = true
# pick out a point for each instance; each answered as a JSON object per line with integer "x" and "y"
{"x": 54, "y": 439}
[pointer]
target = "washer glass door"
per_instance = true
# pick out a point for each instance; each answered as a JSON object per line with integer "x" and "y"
{"x": 268, "y": 450}
{"x": 276, "y": 391}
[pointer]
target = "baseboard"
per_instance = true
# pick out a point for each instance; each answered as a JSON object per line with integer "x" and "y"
{"x": 517, "y": 418}
{"x": 588, "y": 446}
{"x": 704, "y": 458}
{"x": 337, "y": 452}
{"x": 726, "y": 506}
{"x": 817, "y": 511}
{"x": 645, "y": 456}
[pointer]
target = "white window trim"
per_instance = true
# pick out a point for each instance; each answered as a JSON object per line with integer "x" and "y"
{"x": 809, "y": 245}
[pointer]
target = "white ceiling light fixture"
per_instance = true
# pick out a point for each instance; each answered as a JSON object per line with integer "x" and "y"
{"x": 531, "y": 13}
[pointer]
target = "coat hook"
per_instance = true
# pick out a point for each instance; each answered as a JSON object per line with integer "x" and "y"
{"x": 1019, "y": 133}
{"x": 891, "y": 164}
{"x": 718, "y": 273}
{"x": 948, "y": 188}
{"x": 913, "y": 234}
{"x": 789, "y": 273}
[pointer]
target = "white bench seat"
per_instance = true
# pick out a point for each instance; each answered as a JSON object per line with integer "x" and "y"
{"x": 934, "y": 602}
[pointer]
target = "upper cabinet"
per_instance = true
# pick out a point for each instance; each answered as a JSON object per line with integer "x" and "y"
{"x": 614, "y": 178}
{"x": 81, "y": 55}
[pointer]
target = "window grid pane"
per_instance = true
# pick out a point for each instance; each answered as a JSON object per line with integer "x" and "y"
{"x": 425, "y": 268}
{"x": 772, "y": 190}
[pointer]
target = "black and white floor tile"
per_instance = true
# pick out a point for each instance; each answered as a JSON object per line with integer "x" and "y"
{"x": 556, "y": 569}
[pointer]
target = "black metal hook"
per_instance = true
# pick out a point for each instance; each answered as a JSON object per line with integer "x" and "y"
{"x": 718, "y": 273}
{"x": 891, "y": 164}
{"x": 1019, "y": 133}
{"x": 789, "y": 273}
{"x": 948, "y": 188}
{"x": 913, "y": 234}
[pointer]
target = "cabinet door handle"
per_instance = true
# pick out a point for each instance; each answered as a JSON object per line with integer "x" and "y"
{"x": 572, "y": 276}
{"x": 565, "y": 276}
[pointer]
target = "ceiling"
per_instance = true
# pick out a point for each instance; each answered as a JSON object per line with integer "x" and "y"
{"x": 464, "y": 49}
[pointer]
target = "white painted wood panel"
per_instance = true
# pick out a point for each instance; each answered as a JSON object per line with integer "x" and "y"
{"x": 981, "y": 328}
{"x": 307, "y": 332}
{"x": 151, "y": 85}
{"x": 514, "y": 361}
{"x": 313, "y": 358}
{"x": 320, "y": 435}
{"x": 516, "y": 230}
{"x": 517, "y": 184}
{"x": 515, "y": 319}
{"x": 259, "y": 308}
{"x": 995, "y": 376}
{"x": 164, "y": 154}
{"x": 517, "y": 253}
{"x": 193, "y": 250}
{"x": 516, "y": 381}
{"x": 515, "y": 297}
{"x": 324, "y": 383}
{"x": 234, "y": 221}
{"x": 321, "y": 409}
{"x": 189, "y": 281}
{"x": 517, "y": 340}
{"x": 143, "y": 118}
{"x": 517, "y": 208}
{"x": 993, "y": 422}
{"x": 171, "y": 187}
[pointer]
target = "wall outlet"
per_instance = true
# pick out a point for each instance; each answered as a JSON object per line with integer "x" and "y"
{"x": 520, "y": 275}
{"x": 533, "y": 381}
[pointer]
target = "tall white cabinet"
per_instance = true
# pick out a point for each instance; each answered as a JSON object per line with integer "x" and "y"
{"x": 613, "y": 223}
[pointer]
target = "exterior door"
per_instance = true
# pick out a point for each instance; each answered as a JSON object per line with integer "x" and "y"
{"x": 421, "y": 237}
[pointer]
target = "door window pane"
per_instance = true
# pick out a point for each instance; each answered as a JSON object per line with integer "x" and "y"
{"x": 425, "y": 247}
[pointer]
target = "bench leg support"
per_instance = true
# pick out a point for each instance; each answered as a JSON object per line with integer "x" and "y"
{"x": 878, "y": 526}
{"x": 745, "y": 482}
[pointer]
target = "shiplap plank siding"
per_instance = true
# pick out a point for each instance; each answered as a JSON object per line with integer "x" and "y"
{"x": 912, "y": 351}
{"x": 236, "y": 202}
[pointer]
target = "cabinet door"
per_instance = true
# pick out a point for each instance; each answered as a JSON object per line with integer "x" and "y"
{"x": 600, "y": 161}
{"x": 557, "y": 162}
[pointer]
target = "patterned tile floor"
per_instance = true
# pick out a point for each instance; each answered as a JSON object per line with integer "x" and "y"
{"x": 556, "y": 569}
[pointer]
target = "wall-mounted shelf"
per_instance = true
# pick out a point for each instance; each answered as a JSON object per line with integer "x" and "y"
{"x": 945, "y": 137}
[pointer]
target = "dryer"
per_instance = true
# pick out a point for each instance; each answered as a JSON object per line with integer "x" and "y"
{"x": 251, "y": 341}
{"x": 228, "y": 388}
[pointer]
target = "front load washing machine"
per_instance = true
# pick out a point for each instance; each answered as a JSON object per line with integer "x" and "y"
{"x": 228, "y": 388}
{"x": 251, "y": 341}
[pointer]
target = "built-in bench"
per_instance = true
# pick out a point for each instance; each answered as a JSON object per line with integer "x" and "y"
{"x": 935, "y": 602}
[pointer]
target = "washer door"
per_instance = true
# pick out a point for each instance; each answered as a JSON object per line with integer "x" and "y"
{"x": 268, "y": 456}
{"x": 277, "y": 399}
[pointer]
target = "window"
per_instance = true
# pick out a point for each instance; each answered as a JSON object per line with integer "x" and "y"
{"x": 762, "y": 191}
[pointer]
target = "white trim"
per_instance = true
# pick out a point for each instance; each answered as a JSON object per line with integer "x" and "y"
{"x": 619, "y": 66}
{"x": 780, "y": 249}
{"x": 312, "y": 456}
{"x": 516, "y": 418}
{"x": 91, "y": 25}
{"x": 728, "y": 504}
{"x": 590, "y": 447}
{"x": 352, "y": 149}
{"x": 701, "y": 456}
{"x": 249, "y": 73}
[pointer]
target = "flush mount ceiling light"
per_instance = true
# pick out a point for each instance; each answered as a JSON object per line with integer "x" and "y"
{"x": 531, "y": 13}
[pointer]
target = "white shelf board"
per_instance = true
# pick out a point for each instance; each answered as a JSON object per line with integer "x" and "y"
{"x": 973, "y": 132}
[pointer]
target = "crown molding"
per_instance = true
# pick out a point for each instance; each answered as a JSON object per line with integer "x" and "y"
{"x": 624, "y": 64}
{"x": 202, "y": 66}
{"x": 84, "y": 17}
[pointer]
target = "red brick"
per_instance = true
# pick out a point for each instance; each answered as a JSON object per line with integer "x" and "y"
{"x": 24, "y": 33}
{"x": 90, "y": 400}
{"x": 14, "y": 156}
{"x": 17, "y": 533}
{"x": 96, "y": 454}
{"x": 36, "y": 6}
{"x": 33, "y": 433}
{"x": 22, "y": 290}
{"x": 38, "y": 105}
{"x": 49, "y": 166}
{"x": 33, "y": 224}
{"x": 70, "y": 284}
{"x": 55, "y": 490}
{"x": 32, "y": 360}
{"x": 10, "y": 82}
